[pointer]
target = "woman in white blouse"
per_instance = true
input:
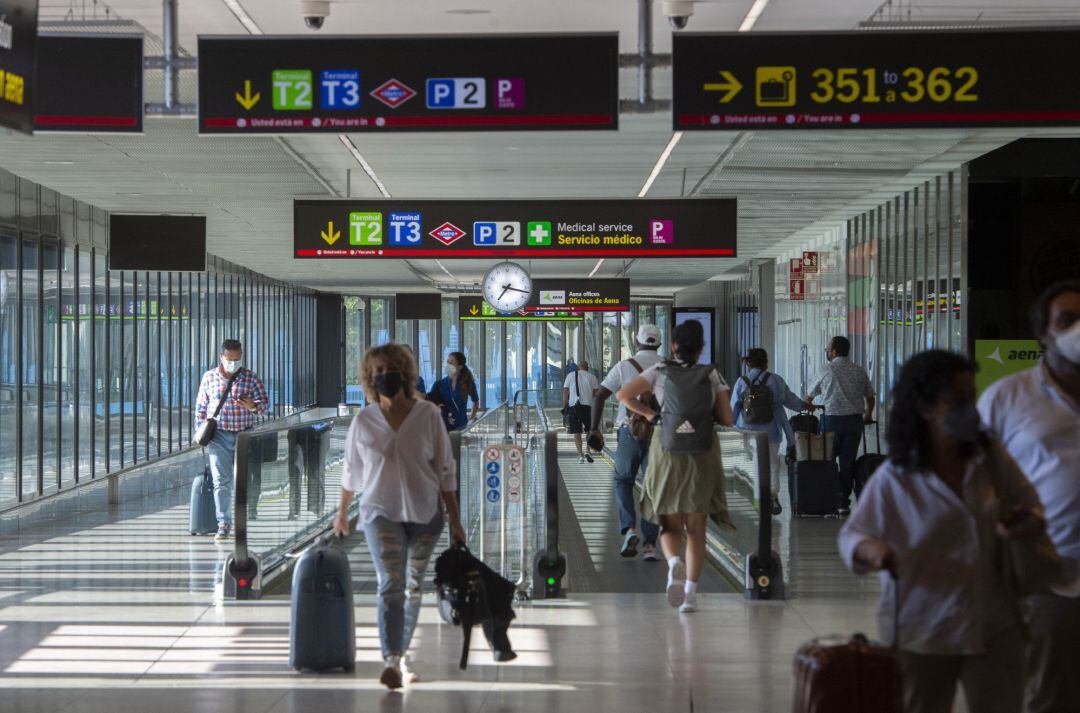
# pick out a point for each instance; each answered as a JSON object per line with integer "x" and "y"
{"x": 935, "y": 515}
{"x": 397, "y": 456}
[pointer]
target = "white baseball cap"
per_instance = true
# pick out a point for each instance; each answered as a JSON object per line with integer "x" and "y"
{"x": 649, "y": 335}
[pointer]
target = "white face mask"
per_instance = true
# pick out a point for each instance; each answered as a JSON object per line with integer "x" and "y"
{"x": 1068, "y": 343}
{"x": 230, "y": 366}
{"x": 450, "y": 368}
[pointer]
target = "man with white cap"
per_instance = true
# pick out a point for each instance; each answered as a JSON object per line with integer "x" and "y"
{"x": 630, "y": 454}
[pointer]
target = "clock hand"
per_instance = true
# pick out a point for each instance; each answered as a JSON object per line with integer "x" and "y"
{"x": 517, "y": 290}
{"x": 507, "y": 287}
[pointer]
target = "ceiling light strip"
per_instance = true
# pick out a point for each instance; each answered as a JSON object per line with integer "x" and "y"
{"x": 364, "y": 164}
{"x": 752, "y": 15}
{"x": 243, "y": 17}
{"x": 664, "y": 156}
{"x": 597, "y": 267}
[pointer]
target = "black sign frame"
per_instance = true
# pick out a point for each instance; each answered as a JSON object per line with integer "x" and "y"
{"x": 70, "y": 99}
{"x": 18, "y": 61}
{"x": 301, "y": 84}
{"x": 358, "y": 228}
{"x": 874, "y": 79}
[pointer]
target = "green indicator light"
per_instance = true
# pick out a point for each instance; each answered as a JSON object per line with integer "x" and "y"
{"x": 551, "y": 581}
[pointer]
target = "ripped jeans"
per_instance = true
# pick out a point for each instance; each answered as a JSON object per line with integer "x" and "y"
{"x": 401, "y": 551}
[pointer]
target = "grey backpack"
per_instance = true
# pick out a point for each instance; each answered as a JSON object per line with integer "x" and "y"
{"x": 687, "y": 411}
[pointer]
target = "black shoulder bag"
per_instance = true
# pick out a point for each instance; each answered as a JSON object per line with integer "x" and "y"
{"x": 205, "y": 432}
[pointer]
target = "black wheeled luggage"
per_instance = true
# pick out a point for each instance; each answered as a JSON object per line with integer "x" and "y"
{"x": 202, "y": 515}
{"x": 817, "y": 488}
{"x": 868, "y": 462}
{"x": 322, "y": 632}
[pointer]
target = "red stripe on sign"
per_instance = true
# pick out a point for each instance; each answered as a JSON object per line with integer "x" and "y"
{"x": 230, "y": 122}
{"x": 749, "y": 121}
{"x": 50, "y": 120}
{"x": 407, "y": 254}
{"x": 579, "y": 308}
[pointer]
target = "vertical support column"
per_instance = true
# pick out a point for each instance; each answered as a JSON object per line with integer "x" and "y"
{"x": 170, "y": 29}
{"x": 767, "y": 306}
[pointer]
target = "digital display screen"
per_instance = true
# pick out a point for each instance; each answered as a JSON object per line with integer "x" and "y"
{"x": 359, "y": 228}
{"x": 283, "y": 85}
{"x": 705, "y": 316}
{"x": 752, "y": 81}
{"x": 107, "y": 99}
{"x": 426, "y": 305}
{"x": 18, "y": 42}
{"x": 166, "y": 243}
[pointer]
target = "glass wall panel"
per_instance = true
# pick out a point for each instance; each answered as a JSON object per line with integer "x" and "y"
{"x": 10, "y": 358}
{"x": 30, "y": 367}
{"x": 84, "y": 343}
{"x": 51, "y": 393}
{"x": 611, "y": 347}
{"x": 403, "y": 332}
{"x": 380, "y": 321}
{"x": 572, "y": 344}
{"x": 103, "y": 374}
{"x": 68, "y": 365}
{"x": 513, "y": 352}
{"x": 663, "y": 323}
{"x": 591, "y": 346}
{"x": 427, "y": 356}
{"x": 492, "y": 371}
{"x": 355, "y": 345}
{"x": 555, "y": 364}
{"x": 535, "y": 358}
{"x": 451, "y": 331}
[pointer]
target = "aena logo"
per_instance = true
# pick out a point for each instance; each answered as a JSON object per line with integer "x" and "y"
{"x": 7, "y": 33}
{"x": 1025, "y": 354}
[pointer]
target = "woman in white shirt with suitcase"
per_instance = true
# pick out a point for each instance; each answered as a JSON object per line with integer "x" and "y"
{"x": 398, "y": 457}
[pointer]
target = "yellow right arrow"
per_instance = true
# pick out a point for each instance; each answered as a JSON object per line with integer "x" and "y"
{"x": 730, "y": 85}
{"x": 247, "y": 99}
{"x": 330, "y": 235}
{"x": 473, "y": 311}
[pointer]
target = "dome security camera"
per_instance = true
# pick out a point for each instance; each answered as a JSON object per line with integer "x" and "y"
{"x": 678, "y": 12}
{"x": 314, "y": 13}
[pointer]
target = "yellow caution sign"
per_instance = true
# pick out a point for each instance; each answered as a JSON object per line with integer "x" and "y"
{"x": 330, "y": 235}
{"x": 730, "y": 86}
{"x": 775, "y": 86}
{"x": 247, "y": 99}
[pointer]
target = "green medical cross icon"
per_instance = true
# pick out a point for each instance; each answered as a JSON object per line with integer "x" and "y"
{"x": 539, "y": 233}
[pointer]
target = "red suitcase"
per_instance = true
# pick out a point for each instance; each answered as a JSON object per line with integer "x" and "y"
{"x": 836, "y": 675}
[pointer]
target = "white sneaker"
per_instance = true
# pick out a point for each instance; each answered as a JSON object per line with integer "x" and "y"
{"x": 689, "y": 603}
{"x": 408, "y": 673}
{"x": 581, "y": 459}
{"x": 648, "y": 553}
{"x": 676, "y": 584}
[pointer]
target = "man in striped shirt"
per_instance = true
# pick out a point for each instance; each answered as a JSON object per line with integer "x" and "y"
{"x": 244, "y": 399}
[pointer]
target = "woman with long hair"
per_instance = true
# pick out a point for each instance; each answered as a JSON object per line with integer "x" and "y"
{"x": 682, "y": 490}
{"x": 398, "y": 457}
{"x": 453, "y": 392}
{"x": 935, "y": 516}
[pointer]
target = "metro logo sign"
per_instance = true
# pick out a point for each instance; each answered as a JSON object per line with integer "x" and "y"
{"x": 447, "y": 233}
{"x": 393, "y": 93}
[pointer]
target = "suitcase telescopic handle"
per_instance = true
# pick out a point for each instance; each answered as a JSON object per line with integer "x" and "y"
{"x": 896, "y": 612}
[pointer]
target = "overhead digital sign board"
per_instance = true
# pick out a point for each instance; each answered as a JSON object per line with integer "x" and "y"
{"x": 18, "y": 40}
{"x": 410, "y": 229}
{"x": 580, "y": 294}
{"x": 107, "y": 99}
{"x": 282, "y": 85}
{"x": 875, "y": 79}
{"x": 475, "y": 309}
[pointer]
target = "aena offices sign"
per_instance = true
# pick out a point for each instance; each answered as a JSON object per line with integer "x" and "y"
{"x": 580, "y": 294}
{"x": 363, "y": 228}
{"x": 18, "y": 40}
{"x": 875, "y": 79}
{"x": 280, "y": 85}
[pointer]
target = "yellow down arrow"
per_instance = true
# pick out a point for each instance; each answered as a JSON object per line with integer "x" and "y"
{"x": 473, "y": 311}
{"x": 329, "y": 235}
{"x": 247, "y": 99}
{"x": 730, "y": 85}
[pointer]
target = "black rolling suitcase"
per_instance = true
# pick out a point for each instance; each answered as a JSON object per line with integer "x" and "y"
{"x": 817, "y": 488}
{"x": 202, "y": 515}
{"x": 868, "y": 462}
{"x": 322, "y": 632}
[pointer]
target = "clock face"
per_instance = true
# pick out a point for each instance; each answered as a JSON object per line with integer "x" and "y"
{"x": 507, "y": 287}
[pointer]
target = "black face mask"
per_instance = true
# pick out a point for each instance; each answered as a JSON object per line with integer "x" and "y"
{"x": 388, "y": 383}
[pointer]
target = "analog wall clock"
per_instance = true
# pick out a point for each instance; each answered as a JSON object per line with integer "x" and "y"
{"x": 507, "y": 287}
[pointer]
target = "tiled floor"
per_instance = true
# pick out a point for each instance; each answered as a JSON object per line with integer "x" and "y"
{"x": 118, "y": 612}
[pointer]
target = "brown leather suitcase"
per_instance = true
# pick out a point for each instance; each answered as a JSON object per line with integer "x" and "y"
{"x": 838, "y": 675}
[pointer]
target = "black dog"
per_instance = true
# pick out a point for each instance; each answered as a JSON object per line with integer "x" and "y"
{"x": 471, "y": 593}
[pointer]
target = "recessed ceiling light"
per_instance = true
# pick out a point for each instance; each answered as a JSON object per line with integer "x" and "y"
{"x": 59, "y": 163}
{"x": 468, "y": 11}
{"x": 129, "y": 194}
